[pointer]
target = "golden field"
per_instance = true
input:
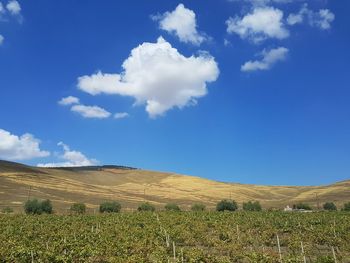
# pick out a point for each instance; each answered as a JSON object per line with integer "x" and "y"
{"x": 93, "y": 185}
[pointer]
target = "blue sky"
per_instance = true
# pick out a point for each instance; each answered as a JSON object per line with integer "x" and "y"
{"x": 241, "y": 91}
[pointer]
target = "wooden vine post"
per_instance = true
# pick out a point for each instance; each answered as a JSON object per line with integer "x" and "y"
{"x": 302, "y": 251}
{"x": 279, "y": 247}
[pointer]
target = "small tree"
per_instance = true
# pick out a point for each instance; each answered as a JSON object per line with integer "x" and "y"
{"x": 146, "y": 207}
{"x": 78, "y": 208}
{"x": 346, "y": 207}
{"x": 330, "y": 206}
{"x": 110, "y": 207}
{"x": 7, "y": 210}
{"x": 252, "y": 206}
{"x": 33, "y": 207}
{"x": 46, "y": 206}
{"x": 302, "y": 206}
{"x": 198, "y": 207}
{"x": 37, "y": 207}
{"x": 226, "y": 205}
{"x": 172, "y": 207}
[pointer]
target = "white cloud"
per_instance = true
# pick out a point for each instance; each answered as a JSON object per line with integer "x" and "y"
{"x": 2, "y": 9}
{"x": 276, "y": 1}
{"x": 90, "y": 111}
{"x": 298, "y": 18}
{"x": 72, "y": 159}
{"x": 260, "y": 24}
{"x": 121, "y": 115}
{"x": 85, "y": 111}
{"x": 227, "y": 42}
{"x": 13, "y": 7}
{"x": 157, "y": 75}
{"x": 269, "y": 59}
{"x": 13, "y": 147}
{"x": 295, "y": 19}
{"x": 68, "y": 100}
{"x": 321, "y": 19}
{"x": 263, "y": 2}
{"x": 182, "y": 23}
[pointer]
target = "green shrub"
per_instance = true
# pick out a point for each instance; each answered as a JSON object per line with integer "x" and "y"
{"x": 110, "y": 207}
{"x": 226, "y": 205}
{"x": 346, "y": 207}
{"x": 330, "y": 206}
{"x": 172, "y": 207}
{"x": 198, "y": 207}
{"x": 46, "y": 206}
{"x": 7, "y": 210}
{"x": 146, "y": 207}
{"x": 34, "y": 206}
{"x": 78, "y": 208}
{"x": 302, "y": 206}
{"x": 252, "y": 206}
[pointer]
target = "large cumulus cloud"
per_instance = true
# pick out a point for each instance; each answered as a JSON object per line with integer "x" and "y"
{"x": 156, "y": 75}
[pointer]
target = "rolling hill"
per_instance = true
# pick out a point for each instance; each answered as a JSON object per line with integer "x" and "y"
{"x": 95, "y": 184}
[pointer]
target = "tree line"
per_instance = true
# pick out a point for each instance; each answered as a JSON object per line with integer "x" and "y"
{"x": 35, "y": 206}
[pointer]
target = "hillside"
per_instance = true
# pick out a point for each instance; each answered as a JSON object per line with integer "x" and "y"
{"x": 93, "y": 185}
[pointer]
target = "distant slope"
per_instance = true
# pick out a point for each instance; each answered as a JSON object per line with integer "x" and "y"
{"x": 93, "y": 168}
{"x": 11, "y": 167}
{"x": 93, "y": 185}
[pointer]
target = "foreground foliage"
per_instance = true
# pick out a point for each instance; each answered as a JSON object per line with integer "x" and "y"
{"x": 197, "y": 237}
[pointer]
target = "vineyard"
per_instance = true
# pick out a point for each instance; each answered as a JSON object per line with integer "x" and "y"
{"x": 177, "y": 237}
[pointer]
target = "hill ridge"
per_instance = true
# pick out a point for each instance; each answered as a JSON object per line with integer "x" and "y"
{"x": 131, "y": 186}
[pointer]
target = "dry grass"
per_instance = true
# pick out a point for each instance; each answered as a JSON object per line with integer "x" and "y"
{"x": 130, "y": 187}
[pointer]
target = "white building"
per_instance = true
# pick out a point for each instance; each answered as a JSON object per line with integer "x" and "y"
{"x": 288, "y": 209}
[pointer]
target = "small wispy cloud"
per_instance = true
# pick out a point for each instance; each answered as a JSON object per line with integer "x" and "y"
{"x": 182, "y": 23}
{"x": 260, "y": 24}
{"x": 121, "y": 115}
{"x": 68, "y": 101}
{"x": 91, "y": 111}
{"x": 13, "y": 7}
{"x": 269, "y": 58}
{"x": 84, "y": 110}
{"x": 321, "y": 19}
{"x": 71, "y": 158}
